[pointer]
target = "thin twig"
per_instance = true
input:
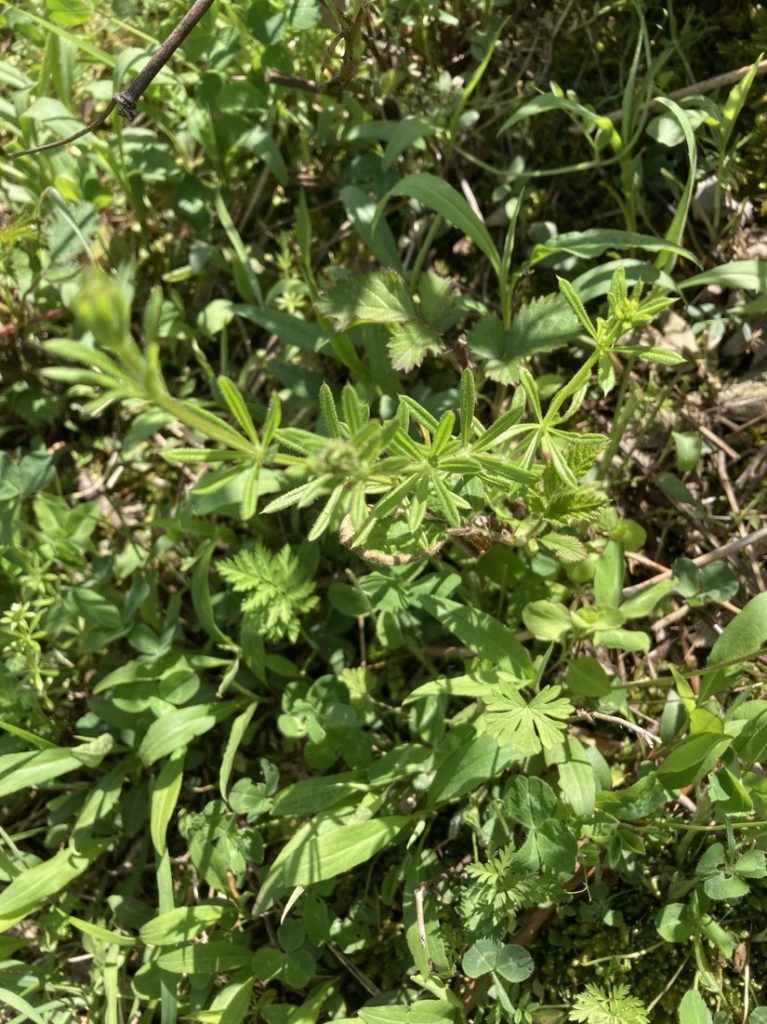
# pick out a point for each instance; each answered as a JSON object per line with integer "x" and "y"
{"x": 419, "y": 915}
{"x": 701, "y": 88}
{"x": 127, "y": 100}
{"x": 709, "y": 556}
{"x": 649, "y": 737}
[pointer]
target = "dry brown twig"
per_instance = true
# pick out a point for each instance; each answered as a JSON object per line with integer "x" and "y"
{"x": 701, "y": 88}
{"x": 126, "y": 101}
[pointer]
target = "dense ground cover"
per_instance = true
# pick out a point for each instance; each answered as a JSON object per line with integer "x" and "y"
{"x": 382, "y": 588}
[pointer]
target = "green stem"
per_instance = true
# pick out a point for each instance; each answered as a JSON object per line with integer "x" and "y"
{"x": 423, "y": 252}
{"x": 571, "y": 388}
{"x": 621, "y": 416}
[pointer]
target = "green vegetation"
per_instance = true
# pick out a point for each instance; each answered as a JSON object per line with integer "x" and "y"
{"x": 381, "y": 593}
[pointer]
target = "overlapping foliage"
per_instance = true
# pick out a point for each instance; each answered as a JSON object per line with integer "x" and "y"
{"x": 324, "y": 685}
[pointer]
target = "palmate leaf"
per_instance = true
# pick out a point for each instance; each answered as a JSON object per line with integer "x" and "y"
{"x": 545, "y": 324}
{"x": 530, "y": 726}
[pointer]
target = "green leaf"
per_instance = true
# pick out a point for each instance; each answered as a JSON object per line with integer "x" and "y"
{"x": 564, "y": 547}
{"x": 577, "y": 779}
{"x": 237, "y": 407}
{"x": 713, "y": 582}
{"x": 200, "y": 590}
{"x": 487, "y": 956}
{"x": 531, "y": 726}
{"x": 608, "y": 1005}
{"x": 573, "y": 300}
{"x": 688, "y": 450}
{"x": 35, "y": 767}
{"x": 675, "y": 231}
{"x": 529, "y": 801}
{"x": 645, "y": 601}
{"x": 410, "y": 343}
{"x": 652, "y": 353}
{"x": 311, "y": 796}
{"x": 692, "y": 759}
{"x": 183, "y": 923}
{"x": 693, "y": 1010}
{"x": 543, "y": 325}
{"x": 455, "y": 686}
{"x": 177, "y": 729}
{"x": 244, "y": 274}
{"x": 407, "y": 130}
{"x": 552, "y": 101}
{"x": 465, "y": 769}
{"x": 484, "y": 634}
{"x": 379, "y": 298}
{"x": 438, "y": 195}
{"x": 206, "y": 959}
{"x": 69, "y": 12}
{"x": 622, "y": 639}
{"x": 288, "y": 328}
{"x": 742, "y": 637}
{"x": 313, "y": 855}
{"x": 725, "y": 887}
{"x": 239, "y": 727}
{"x": 750, "y": 275}
{"x": 165, "y": 790}
{"x": 35, "y": 885}
{"x": 17, "y": 1002}
{"x": 547, "y": 620}
{"x": 360, "y": 207}
{"x": 675, "y": 923}
{"x": 595, "y": 241}
{"x": 468, "y": 400}
{"x": 585, "y": 677}
{"x": 608, "y": 575}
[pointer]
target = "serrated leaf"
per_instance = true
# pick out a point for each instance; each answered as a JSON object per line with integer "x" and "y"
{"x": 564, "y": 547}
{"x": 410, "y": 343}
{"x": 543, "y": 325}
{"x": 379, "y": 298}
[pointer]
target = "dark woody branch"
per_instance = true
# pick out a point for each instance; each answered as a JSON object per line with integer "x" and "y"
{"x": 127, "y": 100}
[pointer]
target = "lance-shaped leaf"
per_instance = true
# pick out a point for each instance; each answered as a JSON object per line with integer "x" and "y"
{"x": 315, "y": 854}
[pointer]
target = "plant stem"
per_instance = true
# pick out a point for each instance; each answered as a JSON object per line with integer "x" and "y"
{"x": 127, "y": 100}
